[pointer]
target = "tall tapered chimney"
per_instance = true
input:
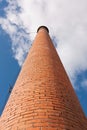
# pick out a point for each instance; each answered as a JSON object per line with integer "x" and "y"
{"x": 43, "y": 97}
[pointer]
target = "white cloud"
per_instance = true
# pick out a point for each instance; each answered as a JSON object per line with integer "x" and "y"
{"x": 66, "y": 20}
{"x": 84, "y": 84}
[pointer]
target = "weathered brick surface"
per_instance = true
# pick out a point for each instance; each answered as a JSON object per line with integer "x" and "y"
{"x": 43, "y": 97}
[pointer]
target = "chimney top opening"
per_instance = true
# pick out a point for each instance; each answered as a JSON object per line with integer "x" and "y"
{"x": 44, "y": 28}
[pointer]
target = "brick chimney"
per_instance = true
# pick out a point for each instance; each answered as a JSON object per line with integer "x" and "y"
{"x": 43, "y": 97}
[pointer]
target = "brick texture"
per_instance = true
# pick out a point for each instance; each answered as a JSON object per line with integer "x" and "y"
{"x": 43, "y": 97}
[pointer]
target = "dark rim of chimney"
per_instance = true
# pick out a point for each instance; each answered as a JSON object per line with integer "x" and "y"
{"x": 44, "y": 28}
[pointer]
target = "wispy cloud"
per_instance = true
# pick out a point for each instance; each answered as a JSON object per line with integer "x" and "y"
{"x": 12, "y": 24}
{"x": 66, "y": 20}
{"x": 84, "y": 84}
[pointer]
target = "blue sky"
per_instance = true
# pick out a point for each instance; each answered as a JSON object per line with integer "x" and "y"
{"x": 9, "y": 68}
{"x": 17, "y": 22}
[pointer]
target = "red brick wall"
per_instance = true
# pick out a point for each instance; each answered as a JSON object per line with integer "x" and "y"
{"x": 43, "y": 97}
